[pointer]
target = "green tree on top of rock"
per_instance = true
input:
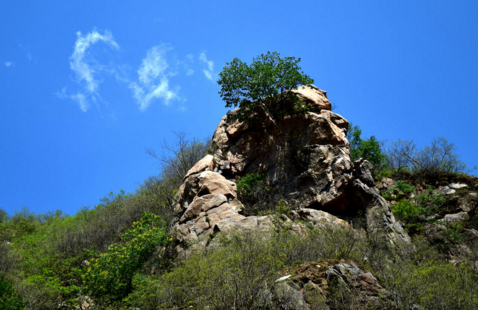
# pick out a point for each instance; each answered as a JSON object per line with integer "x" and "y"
{"x": 264, "y": 85}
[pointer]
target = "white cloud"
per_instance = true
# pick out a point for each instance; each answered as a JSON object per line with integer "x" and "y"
{"x": 82, "y": 101}
{"x": 83, "y": 71}
{"x": 87, "y": 71}
{"x": 190, "y": 72}
{"x": 209, "y": 72}
{"x": 9, "y": 64}
{"x": 154, "y": 79}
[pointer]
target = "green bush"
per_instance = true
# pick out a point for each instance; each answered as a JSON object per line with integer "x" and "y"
{"x": 232, "y": 276}
{"x": 399, "y": 191}
{"x": 408, "y": 213}
{"x": 110, "y": 276}
{"x": 249, "y": 182}
{"x": 434, "y": 160}
{"x": 9, "y": 299}
{"x": 432, "y": 284}
{"x": 367, "y": 149}
{"x": 430, "y": 200}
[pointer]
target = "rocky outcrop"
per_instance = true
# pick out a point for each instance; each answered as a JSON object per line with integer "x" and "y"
{"x": 305, "y": 157}
{"x": 330, "y": 284}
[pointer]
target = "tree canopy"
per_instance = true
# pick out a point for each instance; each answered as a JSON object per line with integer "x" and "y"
{"x": 264, "y": 85}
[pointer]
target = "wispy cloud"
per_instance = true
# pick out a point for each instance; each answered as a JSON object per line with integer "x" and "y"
{"x": 190, "y": 72}
{"x": 209, "y": 71}
{"x": 85, "y": 72}
{"x": 78, "y": 97}
{"x": 28, "y": 54}
{"x": 9, "y": 64}
{"x": 154, "y": 78}
{"x": 86, "y": 69}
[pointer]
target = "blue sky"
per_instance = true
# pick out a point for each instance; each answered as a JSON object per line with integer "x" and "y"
{"x": 87, "y": 86}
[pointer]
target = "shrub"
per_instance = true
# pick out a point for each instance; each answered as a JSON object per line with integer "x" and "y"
{"x": 233, "y": 276}
{"x": 433, "y": 160}
{"x": 181, "y": 157}
{"x": 110, "y": 275}
{"x": 250, "y": 182}
{"x": 399, "y": 191}
{"x": 9, "y": 299}
{"x": 432, "y": 285}
{"x": 430, "y": 200}
{"x": 367, "y": 149}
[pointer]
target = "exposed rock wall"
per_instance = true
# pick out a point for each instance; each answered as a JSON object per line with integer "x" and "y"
{"x": 305, "y": 156}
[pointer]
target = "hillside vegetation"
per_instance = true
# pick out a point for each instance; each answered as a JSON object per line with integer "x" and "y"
{"x": 119, "y": 255}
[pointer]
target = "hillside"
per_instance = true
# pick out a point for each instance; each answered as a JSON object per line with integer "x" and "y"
{"x": 299, "y": 213}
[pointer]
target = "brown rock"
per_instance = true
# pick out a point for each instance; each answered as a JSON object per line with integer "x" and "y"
{"x": 305, "y": 157}
{"x": 314, "y": 97}
{"x": 319, "y": 218}
{"x": 207, "y": 163}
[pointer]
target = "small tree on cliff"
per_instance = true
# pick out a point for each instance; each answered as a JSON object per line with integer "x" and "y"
{"x": 264, "y": 85}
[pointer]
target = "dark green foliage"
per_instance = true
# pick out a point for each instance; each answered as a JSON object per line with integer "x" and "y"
{"x": 3, "y": 216}
{"x": 249, "y": 182}
{"x": 408, "y": 213}
{"x": 110, "y": 275}
{"x": 367, "y": 149}
{"x": 9, "y": 299}
{"x": 430, "y": 200}
{"x": 454, "y": 233}
{"x": 412, "y": 209}
{"x": 263, "y": 86}
{"x": 399, "y": 191}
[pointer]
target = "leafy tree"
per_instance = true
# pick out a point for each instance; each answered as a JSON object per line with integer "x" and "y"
{"x": 264, "y": 85}
{"x": 3, "y": 216}
{"x": 366, "y": 149}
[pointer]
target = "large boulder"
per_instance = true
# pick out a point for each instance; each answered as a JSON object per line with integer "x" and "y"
{"x": 305, "y": 157}
{"x": 331, "y": 284}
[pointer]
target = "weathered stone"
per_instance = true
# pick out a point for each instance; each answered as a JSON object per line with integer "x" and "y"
{"x": 457, "y": 185}
{"x": 289, "y": 298}
{"x": 305, "y": 157}
{"x": 207, "y": 163}
{"x": 471, "y": 234}
{"x": 245, "y": 224}
{"x": 386, "y": 183}
{"x": 313, "y": 97}
{"x": 202, "y": 204}
{"x": 319, "y": 218}
{"x": 378, "y": 213}
{"x": 445, "y": 190}
{"x": 454, "y": 218}
{"x": 435, "y": 234}
{"x": 319, "y": 282}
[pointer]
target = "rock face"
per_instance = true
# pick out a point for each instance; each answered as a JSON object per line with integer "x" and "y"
{"x": 304, "y": 156}
{"x": 332, "y": 284}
